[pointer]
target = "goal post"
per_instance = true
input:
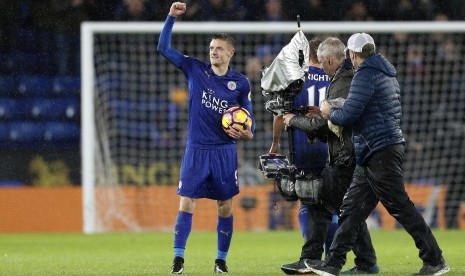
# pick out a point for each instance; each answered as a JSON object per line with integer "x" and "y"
{"x": 134, "y": 115}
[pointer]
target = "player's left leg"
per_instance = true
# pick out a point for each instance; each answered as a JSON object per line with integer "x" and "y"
{"x": 303, "y": 220}
{"x": 182, "y": 230}
{"x": 224, "y": 232}
{"x": 330, "y": 235}
{"x": 223, "y": 186}
{"x": 192, "y": 185}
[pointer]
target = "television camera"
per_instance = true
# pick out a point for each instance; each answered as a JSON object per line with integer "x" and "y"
{"x": 281, "y": 83}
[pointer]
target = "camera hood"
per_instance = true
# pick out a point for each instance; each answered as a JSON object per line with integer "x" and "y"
{"x": 288, "y": 66}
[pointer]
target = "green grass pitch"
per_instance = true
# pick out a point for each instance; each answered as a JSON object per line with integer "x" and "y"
{"x": 251, "y": 253}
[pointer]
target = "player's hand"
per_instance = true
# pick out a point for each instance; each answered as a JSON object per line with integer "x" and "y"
{"x": 313, "y": 112}
{"x": 177, "y": 8}
{"x": 287, "y": 117}
{"x": 240, "y": 134}
{"x": 275, "y": 148}
{"x": 325, "y": 108}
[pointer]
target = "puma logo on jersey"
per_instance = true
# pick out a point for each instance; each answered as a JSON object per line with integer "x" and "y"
{"x": 209, "y": 91}
{"x": 226, "y": 233}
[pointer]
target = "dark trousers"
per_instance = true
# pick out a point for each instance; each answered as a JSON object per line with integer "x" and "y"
{"x": 381, "y": 179}
{"x": 336, "y": 181}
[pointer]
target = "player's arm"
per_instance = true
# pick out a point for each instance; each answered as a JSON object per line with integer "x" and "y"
{"x": 164, "y": 41}
{"x": 245, "y": 101}
{"x": 278, "y": 127}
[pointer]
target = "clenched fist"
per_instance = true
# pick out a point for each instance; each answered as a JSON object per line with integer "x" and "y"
{"x": 177, "y": 8}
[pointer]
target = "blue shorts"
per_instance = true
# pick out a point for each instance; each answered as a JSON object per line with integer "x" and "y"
{"x": 209, "y": 173}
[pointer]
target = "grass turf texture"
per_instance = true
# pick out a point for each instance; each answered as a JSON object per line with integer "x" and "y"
{"x": 251, "y": 253}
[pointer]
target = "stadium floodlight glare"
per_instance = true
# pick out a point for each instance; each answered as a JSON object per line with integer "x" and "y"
{"x": 134, "y": 119}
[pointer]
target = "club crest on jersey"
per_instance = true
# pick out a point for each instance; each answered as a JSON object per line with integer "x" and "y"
{"x": 232, "y": 85}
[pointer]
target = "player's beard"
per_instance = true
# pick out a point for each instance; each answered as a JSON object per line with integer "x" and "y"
{"x": 217, "y": 62}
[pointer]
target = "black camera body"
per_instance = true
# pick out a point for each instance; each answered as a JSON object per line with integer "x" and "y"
{"x": 292, "y": 184}
{"x": 277, "y": 165}
{"x": 281, "y": 101}
{"x": 273, "y": 165}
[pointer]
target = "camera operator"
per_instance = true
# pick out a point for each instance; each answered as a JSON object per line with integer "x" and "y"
{"x": 310, "y": 154}
{"x": 338, "y": 173}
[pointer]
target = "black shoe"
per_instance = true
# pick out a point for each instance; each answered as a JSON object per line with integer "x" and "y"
{"x": 439, "y": 269}
{"x": 325, "y": 270}
{"x": 178, "y": 265}
{"x": 312, "y": 263}
{"x": 220, "y": 266}
{"x": 299, "y": 268}
{"x": 363, "y": 270}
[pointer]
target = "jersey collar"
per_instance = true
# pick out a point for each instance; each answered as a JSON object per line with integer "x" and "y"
{"x": 210, "y": 71}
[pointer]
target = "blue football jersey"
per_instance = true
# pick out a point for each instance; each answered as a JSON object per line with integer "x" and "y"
{"x": 310, "y": 155}
{"x": 209, "y": 97}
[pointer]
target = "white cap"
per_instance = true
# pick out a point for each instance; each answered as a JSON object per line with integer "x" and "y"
{"x": 358, "y": 40}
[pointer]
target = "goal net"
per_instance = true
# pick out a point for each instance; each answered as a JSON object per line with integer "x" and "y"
{"x": 134, "y": 111}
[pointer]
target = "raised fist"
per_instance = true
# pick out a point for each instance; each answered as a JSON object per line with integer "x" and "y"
{"x": 177, "y": 8}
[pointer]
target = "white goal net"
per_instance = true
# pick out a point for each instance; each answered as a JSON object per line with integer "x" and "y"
{"x": 134, "y": 112}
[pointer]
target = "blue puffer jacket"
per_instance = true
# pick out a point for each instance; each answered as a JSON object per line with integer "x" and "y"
{"x": 372, "y": 108}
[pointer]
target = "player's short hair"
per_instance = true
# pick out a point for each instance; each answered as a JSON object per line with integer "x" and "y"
{"x": 313, "y": 44}
{"x": 225, "y": 37}
{"x": 332, "y": 46}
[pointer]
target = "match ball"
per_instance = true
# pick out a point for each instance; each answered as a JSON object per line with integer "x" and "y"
{"x": 237, "y": 118}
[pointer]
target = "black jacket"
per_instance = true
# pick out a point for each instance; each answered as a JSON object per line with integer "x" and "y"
{"x": 341, "y": 151}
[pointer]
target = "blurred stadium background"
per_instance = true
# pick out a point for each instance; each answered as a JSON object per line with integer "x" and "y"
{"x": 140, "y": 108}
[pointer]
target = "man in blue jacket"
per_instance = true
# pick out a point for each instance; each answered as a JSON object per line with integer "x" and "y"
{"x": 373, "y": 110}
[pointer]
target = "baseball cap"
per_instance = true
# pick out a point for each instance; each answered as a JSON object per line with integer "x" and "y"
{"x": 358, "y": 40}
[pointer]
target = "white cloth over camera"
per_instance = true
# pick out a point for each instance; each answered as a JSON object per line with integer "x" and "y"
{"x": 285, "y": 68}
